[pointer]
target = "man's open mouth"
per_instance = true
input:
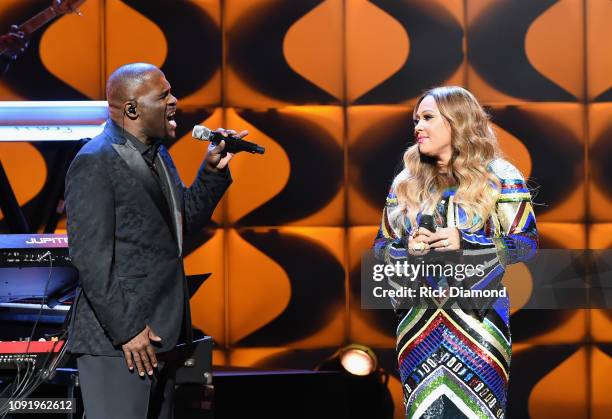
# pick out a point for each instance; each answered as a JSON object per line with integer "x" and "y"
{"x": 171, "y": 120}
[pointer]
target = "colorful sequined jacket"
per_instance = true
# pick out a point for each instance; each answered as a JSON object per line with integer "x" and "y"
{"x": 510, "y": 233}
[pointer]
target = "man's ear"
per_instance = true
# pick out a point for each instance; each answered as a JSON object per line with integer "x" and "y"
{"x": 129, "y": 108}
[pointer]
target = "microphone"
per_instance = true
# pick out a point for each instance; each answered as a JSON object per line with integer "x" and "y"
{"x": 427, "y": 222}
{"x": 232, "y": 144}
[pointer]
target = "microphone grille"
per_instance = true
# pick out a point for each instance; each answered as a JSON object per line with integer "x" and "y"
{"x": 200, "y": 132}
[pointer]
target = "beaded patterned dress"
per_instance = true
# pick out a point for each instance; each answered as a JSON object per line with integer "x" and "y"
{"x": 455, "y": 362}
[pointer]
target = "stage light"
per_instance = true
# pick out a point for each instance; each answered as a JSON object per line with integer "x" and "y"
{"x": 358, "y": 359}
{"x": 51, "y": 120}
{"x": 365, "y": 382}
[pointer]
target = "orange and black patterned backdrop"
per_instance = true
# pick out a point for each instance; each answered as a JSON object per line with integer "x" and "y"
{"x": 327, "y": 86}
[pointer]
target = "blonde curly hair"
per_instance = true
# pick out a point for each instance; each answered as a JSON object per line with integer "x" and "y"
{"x": 420, "y": 184}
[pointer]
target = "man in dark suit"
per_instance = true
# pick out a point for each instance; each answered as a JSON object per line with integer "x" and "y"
{"x": 127, "y": 212}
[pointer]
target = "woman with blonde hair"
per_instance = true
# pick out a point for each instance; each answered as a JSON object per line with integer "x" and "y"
{"x": 455, "y": 362}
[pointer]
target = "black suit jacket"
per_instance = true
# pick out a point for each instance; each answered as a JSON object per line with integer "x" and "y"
{"x": 128, "y": 256}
